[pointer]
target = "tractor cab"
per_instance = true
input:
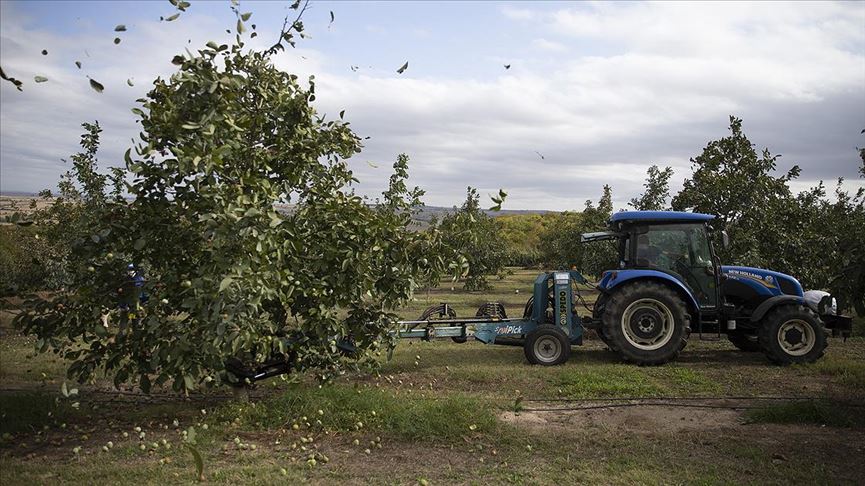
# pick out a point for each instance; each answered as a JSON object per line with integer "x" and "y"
{"x": 675, "y": 247}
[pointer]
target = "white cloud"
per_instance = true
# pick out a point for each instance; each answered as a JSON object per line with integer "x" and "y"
{"x": 640, "y": 84}
{"x": 515, "y": 13}
{"x": 548, "y": 45}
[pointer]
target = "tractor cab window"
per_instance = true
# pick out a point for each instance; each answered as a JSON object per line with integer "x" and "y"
{"x": 682, "y": 250}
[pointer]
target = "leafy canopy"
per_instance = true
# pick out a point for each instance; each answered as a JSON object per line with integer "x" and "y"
{"x": 474, "y": 236}
{"x": 224, "y": 140}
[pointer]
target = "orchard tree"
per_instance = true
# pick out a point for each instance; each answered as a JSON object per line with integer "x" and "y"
{"x": 657, "y": 185}
{"x": 731, "y": 181}
{"x": 819, "y": 241}
{"x": 561, "y": 246}
{"x": 474, "y": 236}
{"x": 225, "y": 140}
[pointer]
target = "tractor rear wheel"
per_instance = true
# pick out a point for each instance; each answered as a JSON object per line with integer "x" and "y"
{"x": 646, "y": 322}
{"x": 745, "y": 342}
{"x": 790, "y": 334}
{"x": 547, "y": 346}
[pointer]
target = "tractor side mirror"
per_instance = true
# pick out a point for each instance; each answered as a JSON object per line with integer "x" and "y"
{"x": 725, "y": 239}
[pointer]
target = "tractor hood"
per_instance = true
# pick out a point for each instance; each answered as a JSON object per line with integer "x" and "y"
{"x": 764, "y": 281}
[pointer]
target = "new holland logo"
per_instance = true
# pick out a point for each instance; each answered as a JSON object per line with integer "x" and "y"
{"x": 765, "y": 280}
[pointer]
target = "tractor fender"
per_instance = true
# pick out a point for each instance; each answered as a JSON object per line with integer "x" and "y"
{"x": 615, "y": 278}
{"x": 772, "y": 302}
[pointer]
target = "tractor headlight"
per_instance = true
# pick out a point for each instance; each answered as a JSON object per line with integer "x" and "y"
{"x": 832, "y": 307}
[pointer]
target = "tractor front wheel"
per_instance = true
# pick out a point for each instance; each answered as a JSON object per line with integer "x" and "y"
{"x": 790, "y": 334}
{"x": 646, "y": 323}
{"x": 547, "y": 346}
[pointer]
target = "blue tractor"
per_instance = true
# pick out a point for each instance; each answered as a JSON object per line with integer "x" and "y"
{"x": 669, "y": 281}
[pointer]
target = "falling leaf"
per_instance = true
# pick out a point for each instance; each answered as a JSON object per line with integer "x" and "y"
{"x": 371, "y": 165}
{"x": 78, "y": 64}
{"x": 354, "y": 69}
{"x": 129, "y": 82}
{"x": 172, "y": 18}
{"x": 253, "y": 35}
{"x": 40, "y": 79}
{"x": 120, "y": 28}
{"x": 117, "y": 40}
{"x": 539, "y": 155}
{"x": 341, "y": 114}
{"x": 507, "y": 66}
{"x": 44, "y": 52}
{"x": 331, "y": 19}
{"x": 403, "y": 68}
{"x": 96, "y": 85}
{"x": 245, "y": 16}
{"x": 240, "y": 28}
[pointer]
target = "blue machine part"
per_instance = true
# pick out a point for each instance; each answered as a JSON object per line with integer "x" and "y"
{"x": 764, "y": 282}
{"x": 613, "y": 278}
{"x": 562, "y": 303}
{"x": 659, "y": 216}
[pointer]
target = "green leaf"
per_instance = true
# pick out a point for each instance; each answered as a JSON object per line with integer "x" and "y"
{"x": 240, "y": 27}
{"x": 120, "y": 28}
{"x": 116, "y": 40}
{"x": 213, "y": 45}
{"x": 199, "y": 463}
{"x": 172, "y": 18}
{"x": 139, "y": 244}
{"x": 225, "y": 283}
{"x": 129, "y": 82}
{"x": 245, "y": 16}
{"x": 78, "y": 64}
{"x": 403, "y": 68}
{"x": 97, "y": 86}
{"x": 40, "y": 79}
{"x": 188, "y": 382}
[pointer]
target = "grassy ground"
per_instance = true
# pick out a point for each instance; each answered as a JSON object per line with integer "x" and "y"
{"x": 446, "y": 413}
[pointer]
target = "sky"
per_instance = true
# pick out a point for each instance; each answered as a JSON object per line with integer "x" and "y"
{"x": 596, "y": 92}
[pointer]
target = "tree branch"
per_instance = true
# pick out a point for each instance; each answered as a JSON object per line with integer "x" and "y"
{"x": 285, "y": 31}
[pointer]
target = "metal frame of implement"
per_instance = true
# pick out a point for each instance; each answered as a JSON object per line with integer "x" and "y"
{"x": 489, "y": 329}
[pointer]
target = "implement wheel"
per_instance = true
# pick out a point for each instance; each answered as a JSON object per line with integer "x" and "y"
{"x": 547, "y": 346}
{"x": 790, "y": 334}
{"x": 646, "y": 323}
{"x": 745, "y": 342}
{"x": 442, "y": 311}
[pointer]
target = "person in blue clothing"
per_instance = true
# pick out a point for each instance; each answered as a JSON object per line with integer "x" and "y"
{"x": 132, "y": 294}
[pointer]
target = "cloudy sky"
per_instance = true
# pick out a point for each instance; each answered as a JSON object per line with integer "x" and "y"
{"x": 601, "y": 90}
